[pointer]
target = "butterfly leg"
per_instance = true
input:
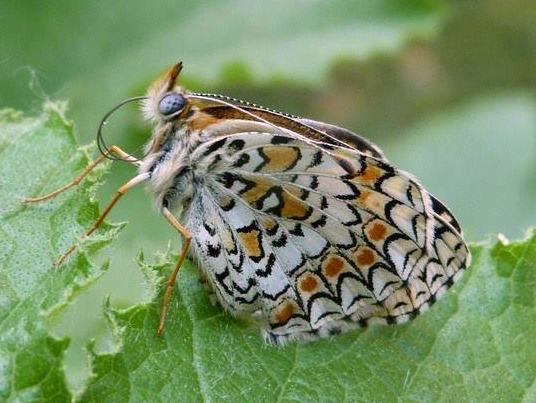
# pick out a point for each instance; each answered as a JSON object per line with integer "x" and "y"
{"x": 120, "y": 192}
{"x": 171, "y": 281}
{"x": 114, "y": 150}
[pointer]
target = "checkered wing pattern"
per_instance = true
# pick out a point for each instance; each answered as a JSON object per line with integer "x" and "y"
{"x": 315, "y": 239}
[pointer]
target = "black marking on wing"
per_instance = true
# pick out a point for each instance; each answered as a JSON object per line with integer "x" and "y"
{"x": 441, "y": 210}
{"x": 210, "y": 230}
{"x": 316, "y": 160}
{"x": 237, "y": 144}
{"x": 282, "y": 241}
{"x": 297, "y": 230}
{"x": 268, "y": 268}
{"x": 276, "y": 140}
{"x": 213, "y": 250}
{"x": 242, "y": 160}
{"x": 216, "y": 145}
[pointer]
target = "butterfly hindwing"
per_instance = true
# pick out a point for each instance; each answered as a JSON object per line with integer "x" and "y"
{"x": 319, "y": 240}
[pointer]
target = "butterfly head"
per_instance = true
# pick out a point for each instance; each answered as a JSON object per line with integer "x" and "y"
{"x": 165, "y": 99}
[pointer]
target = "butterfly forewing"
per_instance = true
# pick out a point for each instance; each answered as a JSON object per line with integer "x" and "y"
{"x": 317, "y": 240}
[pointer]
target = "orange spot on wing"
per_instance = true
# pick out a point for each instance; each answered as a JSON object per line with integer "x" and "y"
{"x": 285, "y": 312}
{"x": 334, "y": 266}
{"x": 363, "y": 196}
{"x": 308, "y": 283}
{"x": 257, "y": 191}
{"x": 251, "y": 242}
{"x": 293, "y": 190}
{"x": 225, "y": 201}
{"x": 377, "y": 232}
{"x": 228, "y": 241}
{"x": 364, "y": 257}
{"x": 268, "y": 223}
{"x": 201, "y": 120}
{"x": 279, "y": 158}
{"x": 294, "y": 208}
{"x": 369, "y": 174}
{"x": 370, "y": 200}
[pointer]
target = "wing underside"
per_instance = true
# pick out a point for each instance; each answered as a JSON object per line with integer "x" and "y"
{"x": 316, "y": 242}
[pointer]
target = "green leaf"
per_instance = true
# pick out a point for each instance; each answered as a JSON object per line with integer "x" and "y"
{"x": 475, "y": 344}
{"x": 36, "y": 156}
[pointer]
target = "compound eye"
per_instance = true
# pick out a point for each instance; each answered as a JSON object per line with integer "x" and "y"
{"x": 171, "y": 103}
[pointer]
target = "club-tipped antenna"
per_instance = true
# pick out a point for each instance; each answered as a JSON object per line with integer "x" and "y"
{"x": 103, "y": 148}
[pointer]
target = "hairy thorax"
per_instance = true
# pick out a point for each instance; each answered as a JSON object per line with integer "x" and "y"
{"x": 169, "y": 163}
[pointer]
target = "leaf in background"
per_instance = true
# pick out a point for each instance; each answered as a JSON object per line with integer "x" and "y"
{"x": 36, "y": 156}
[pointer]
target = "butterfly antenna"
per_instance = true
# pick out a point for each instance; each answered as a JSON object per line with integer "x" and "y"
{"x": 103, "y": 148}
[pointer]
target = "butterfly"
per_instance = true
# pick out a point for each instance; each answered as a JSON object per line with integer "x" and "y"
{"x": 301, "y": 225}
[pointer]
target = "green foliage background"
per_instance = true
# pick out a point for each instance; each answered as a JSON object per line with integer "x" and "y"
{"x": 446, "y": 88}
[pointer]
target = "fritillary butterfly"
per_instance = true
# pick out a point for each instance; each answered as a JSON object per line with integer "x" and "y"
{"x": 301, "y": 224}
